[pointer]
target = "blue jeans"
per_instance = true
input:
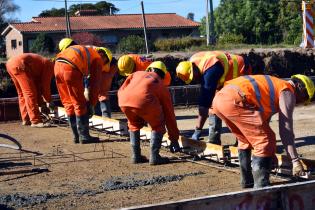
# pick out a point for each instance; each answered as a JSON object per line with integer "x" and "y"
{"x": 105, "y": 108}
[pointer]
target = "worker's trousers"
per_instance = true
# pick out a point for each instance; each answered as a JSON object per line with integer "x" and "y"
{"x": 71, "y": 90}
{"x": 28, "y": 95}
{"x": 245, "y": 122}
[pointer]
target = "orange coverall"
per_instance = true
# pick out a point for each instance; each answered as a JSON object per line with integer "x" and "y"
{"x": 141, "y": 62}
{"x": 106, "y": 82}
{"x": 70, "y": 69}
{"x": 144, "y": 97}
{"x": 246, "y": 104}
{"x": 31, "y": 75}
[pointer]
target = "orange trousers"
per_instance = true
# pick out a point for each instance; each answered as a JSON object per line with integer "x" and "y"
{"x": 137, "y": 118}
{"x": 70, "y": 87}
{"x": 245, "y": 122}
{"x": 27, "y": 94}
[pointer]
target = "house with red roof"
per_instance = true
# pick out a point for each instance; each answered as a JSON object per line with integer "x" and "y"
{"x": 111, "y": 28}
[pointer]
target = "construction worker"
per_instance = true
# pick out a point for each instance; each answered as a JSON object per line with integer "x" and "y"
{"x": 128, "y": 64}
{"x": 211, "y": 69}
{"x": 246, "y": 105}
{"x": 143, "y": 97}
{"x": 109, "y": 70}
{"x": 77, "y": 70}
{"x": 31, "y": 75}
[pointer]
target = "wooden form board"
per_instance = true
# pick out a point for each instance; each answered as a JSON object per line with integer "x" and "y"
{"x": 206, "y": 150}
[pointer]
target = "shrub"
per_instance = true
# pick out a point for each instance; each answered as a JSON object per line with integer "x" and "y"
{"x": 229, "y": 38}
{"x": 176, "y": 44}
{"x": 133, "y": 43}
{"x": 43, "y": 44}
{"x": 86, "y": 38}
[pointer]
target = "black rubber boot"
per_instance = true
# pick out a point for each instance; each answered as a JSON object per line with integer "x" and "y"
{"x": 215, "y": 126}
{"x": 247, "y": 180}
{"x": 83, "y": 128}
{"x": 73, "y": 125}
{"x": 261, "y": 171}
{"x": 135, "y": 146}
{"x": 155, "y": 145}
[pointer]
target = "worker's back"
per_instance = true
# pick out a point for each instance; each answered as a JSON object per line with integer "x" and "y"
{"x": 141, "y": 89}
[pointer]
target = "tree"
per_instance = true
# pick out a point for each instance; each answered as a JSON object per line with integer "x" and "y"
{"x": 102, "y": 8}
{"x": 259, "y": 21}
{"x": 86, "y": 38}
{"x": 43, "y": 44}
{"x": 7, "y": 7}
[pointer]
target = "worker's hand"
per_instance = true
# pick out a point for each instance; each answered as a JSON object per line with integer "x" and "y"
{"x": 90, "y": 110}
{"x": 51, "y": 105}
{"x": 196, "y": 135}
{"x": 174, "y": 147}
{"x": 297, "y": 168}
{"x": 86, "y": 94}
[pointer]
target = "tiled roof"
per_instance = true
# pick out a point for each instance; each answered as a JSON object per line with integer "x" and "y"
{"x": 128, "y": 21}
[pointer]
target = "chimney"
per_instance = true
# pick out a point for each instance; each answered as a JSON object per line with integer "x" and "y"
{"x": 86, "y": 12}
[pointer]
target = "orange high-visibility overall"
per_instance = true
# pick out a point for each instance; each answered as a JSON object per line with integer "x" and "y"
{"x": 106, "y": 82}
{"x": 246, "y": 104}
{"x": 144, "y": 97}
{"x": 72, "y": 65}
{"x": 31, "y": 75}
{"x": 141, "y": 63}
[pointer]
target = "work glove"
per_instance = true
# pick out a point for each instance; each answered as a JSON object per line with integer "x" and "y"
{"x": 174, "y": 147}
{"x": 51, "y": 105}
{"x": 86, "y": 94}
{"x": 297, "y": 167}
{"x": 196, "y": 135}
{"x": 90, "y": 110}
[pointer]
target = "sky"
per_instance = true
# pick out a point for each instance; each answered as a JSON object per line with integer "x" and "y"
{"x": 32, "y": 8}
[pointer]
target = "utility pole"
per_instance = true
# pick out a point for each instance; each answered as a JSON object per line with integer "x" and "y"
{"x": 212, "y": 35}
{"x": 207, "y": 23}
{"x": 68, "y": 30}
{"x": 144, "y": 28}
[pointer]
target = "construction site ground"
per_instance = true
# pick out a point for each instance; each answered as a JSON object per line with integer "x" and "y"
{"x": 101, "y": 176}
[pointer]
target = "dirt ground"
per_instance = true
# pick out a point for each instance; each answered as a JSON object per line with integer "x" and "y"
{"x": 102, "y": 177}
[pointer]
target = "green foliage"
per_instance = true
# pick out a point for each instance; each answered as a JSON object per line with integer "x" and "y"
{"x": 176, "y": 44}
{"x": 102, "y": 8}
{"x": 229, "y": 38}
{"x": 131, "y": 44}
{"x": 7, "y": 88}
{"x": 259, "y": 21}
{"x": 43, "y": 44}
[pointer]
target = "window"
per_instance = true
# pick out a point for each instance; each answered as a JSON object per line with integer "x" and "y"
{"x": 13, "y": 44}
{"x": 20, "y": 43}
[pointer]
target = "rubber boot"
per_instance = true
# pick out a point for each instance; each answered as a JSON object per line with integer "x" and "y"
{"x": 261, "y": 171}
{"x": 247, "y": 180}
{"x": 73, "y": 125}
{"x": 155, "y": 145}
{"x": 83, "y": 128}
{"x": 215, "y": 126}
{"x": 105, "y": 108}
{"x": 135, "y": 146}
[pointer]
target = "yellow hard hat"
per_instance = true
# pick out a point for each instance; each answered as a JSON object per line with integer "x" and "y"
{"x": 309, "y": 85}
{"x": 160, "y": 65}
{"x": 125, "y": 65}
{"x": 184, "y": 71}
{"x": 107, "y": 52}
{"x": 64, "y": 43}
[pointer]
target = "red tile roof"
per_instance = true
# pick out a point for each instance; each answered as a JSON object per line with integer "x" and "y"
{"x": 128, "y": 21}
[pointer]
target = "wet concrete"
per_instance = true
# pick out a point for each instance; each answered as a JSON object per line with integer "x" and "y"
{"x": 119, "y": 183}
